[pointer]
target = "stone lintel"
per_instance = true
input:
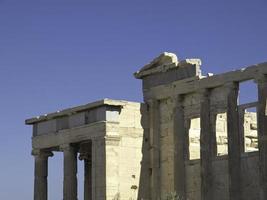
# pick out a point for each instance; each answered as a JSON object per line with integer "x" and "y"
{"x": 219, "y": 80}
{"x": 74, "y": 135}
{"x": 67, "y": 147}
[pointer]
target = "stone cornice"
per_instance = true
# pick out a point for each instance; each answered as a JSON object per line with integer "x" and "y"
{"x": 71, "y": 111}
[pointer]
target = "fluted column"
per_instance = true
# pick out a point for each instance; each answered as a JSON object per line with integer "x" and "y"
{"x": 86, "y": 156}
{"x": 40, "y": 174}
{"x": 70, "y": 172}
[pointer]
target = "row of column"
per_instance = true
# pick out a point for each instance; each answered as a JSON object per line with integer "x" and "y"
{"x": 207, "y": 137}
{"x": 70, "y": 172}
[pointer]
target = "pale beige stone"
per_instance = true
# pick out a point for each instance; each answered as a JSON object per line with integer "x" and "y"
{"x": 134, "y": 151}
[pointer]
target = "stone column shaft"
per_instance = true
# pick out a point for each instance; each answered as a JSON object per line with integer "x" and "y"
{"x": 99, "y": 190}
{"x": 86, "y": 156}
{"x": 181, "y": 148}
{"x": 40, "y": 174}
{"x": 234, "y": 146}
{"x": 206, "y": 147}
{"x": 155, "y": 148}
{"x": 262, "y": 135}
{"x": 87, "y": 180}
{"x": 70, "y": 173}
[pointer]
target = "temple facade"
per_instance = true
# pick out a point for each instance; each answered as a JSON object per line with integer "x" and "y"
{"x": 191, "y": 137}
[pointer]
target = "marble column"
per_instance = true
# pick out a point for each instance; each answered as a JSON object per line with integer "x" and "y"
{"x": 154, "y": 117}
{"x": 40, "y": 174}
{"x": 180, "y": 147}
{"x": 70, "y": 172}
{"x": 206, "y": 146}
{"x": 262, "y": 135}
{"x": 86, "y": 156}
{"x": 234, "y": 138}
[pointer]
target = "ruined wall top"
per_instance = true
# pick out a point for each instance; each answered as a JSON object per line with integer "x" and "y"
{"x": 167, "y": 76}
{"x": 167, "y": 68}
{"x": 166, "y": 62}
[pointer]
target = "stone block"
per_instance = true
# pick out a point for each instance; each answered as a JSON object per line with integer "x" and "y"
{"x": 77, "y": 120}
{"x": 47, "y": 127}
{"x": 112, "y": 115}
{"x": 62, "y": 123}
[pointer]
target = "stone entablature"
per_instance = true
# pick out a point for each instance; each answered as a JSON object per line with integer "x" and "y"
{"x": 100, "y": 111}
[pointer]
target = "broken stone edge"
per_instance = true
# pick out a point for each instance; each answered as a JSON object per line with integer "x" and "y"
{"x": 163, "y": 63}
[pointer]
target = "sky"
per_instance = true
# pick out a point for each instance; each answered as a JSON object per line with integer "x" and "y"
{"x": 56, "y": 54}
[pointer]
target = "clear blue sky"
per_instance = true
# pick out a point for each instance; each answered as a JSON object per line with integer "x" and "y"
{"x": 61, "y": 53}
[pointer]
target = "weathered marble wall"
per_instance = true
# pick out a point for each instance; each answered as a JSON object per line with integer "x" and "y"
{"x": 124, "y": 143}
{"x": 165, "y": 80}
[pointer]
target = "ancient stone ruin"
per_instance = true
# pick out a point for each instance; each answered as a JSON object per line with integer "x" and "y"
{"x": 191, "y": 136}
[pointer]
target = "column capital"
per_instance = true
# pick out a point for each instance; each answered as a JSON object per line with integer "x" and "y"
{"x": 85, "y": 149}
{"x": 42, "y": 153}
{"x": 85, "y": 156}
